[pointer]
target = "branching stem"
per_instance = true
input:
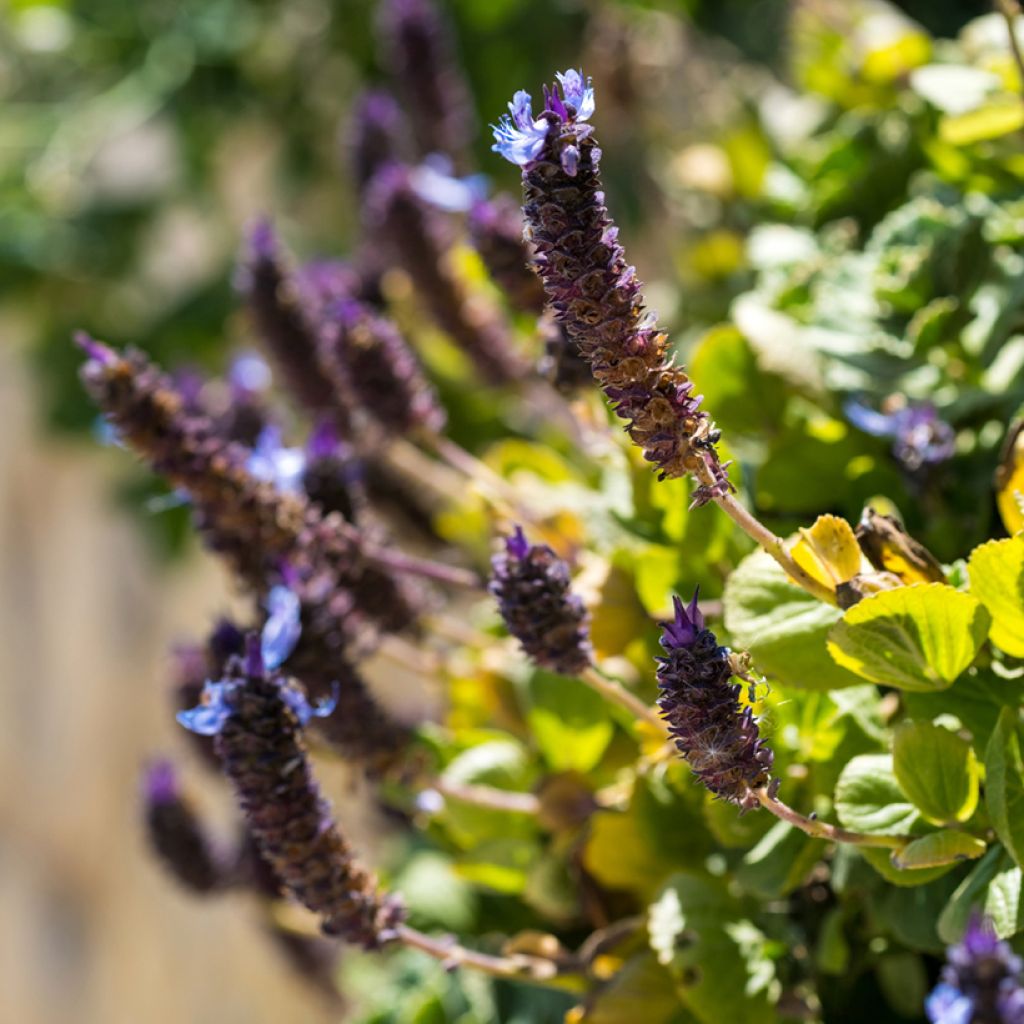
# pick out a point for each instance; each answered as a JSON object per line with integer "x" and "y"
{"x": 614, "y": 691}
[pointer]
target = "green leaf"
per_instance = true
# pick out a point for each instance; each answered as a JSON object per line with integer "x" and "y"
{"x": 994, "y": 888}
{"x": 917, "y": 638}
{"x": 435, "y": 894}
{"x": 499, "y": 864}
{"x": 937, "y": 849}
{"x": 779, "y": 863}
{"x": 640, "y": 989}
{"x": 937, "y": 769}
{"x": 1004, "y": 783}
{"x": 570, "y": 722}
{"x": 997, "y": 580}
{"x": 869, "y": 799}
{"x": 999, "y": 116}
{"x": 910, "y": 915}
{"x": 782, "y": 626}
{"x": 717, "y": 958}
{"x": 903, "y": 981}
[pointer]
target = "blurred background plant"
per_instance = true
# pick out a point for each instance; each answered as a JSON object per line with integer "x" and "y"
{"x": 823, "y": 199}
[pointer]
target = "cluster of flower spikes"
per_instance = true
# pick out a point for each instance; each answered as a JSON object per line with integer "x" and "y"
{"x": 263, "y": 533}
{"x": 718, "y": 738}
{"x": 258, "y": 716}
{"x": 981, "y": 983}
{"x": 595, "y": 293}
{"x": 535, "y": 598}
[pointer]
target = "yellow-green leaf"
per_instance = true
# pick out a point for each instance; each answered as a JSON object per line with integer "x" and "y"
{"x": 828, "y": 551}
{"x": 917, "y": 638}
{"x": 999, "y": 116}
{"x": 997, "y": 580}
{"x": 937, "y": 769}
{"x": 938, "y": 848}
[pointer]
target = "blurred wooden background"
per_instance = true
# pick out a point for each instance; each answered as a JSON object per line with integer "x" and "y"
{"x": 90, "y": 928}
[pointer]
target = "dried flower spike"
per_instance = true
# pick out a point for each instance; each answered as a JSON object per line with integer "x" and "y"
{"x": 982, "y": 982}
{"x": 540, "y": 610}
{"x": 592, "y": 289}
{"x": 176, "y": 833}
{"x": 719, "y": 739}
{"x": 258, "y": 719}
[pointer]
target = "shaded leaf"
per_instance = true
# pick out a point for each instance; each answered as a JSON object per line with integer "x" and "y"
{"x": 570, "y": 722}
{"x": 937, "y": 769}
{"x": 869, "y": 799}
{"x": 993, "y": 888}
{"x": 1004, "y": 783}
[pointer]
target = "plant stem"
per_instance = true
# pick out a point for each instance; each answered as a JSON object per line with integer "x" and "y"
{"x": 775, "y": 546}
{"x": 822, "y": 830}
{"x": 1010, "y": 10}
{"x": 516, "y": 967}
{"x": 614, "y": 691}
{"x": 488, "y": 796}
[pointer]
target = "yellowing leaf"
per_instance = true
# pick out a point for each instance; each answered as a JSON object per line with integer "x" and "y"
{"x": 997, "y": 580}
{"x": 999, "y": 116}
{"x": 828, "y": 551}
{"x": 937, "y": 849}
{"x": 889, "y": 548}
{"x": 1010, "y": 480}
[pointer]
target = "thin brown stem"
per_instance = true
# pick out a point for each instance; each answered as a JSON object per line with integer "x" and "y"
{"x": 516, "y": 967}
{"x": 488, "y": 796}
{"x": 1010, "y": 10}
{"x": 822, "y": 830}
{"x": 774, "y": 545}
{"x": 614, "y": 691}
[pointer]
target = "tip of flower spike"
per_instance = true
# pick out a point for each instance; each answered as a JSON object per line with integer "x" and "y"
{"x": 282, "y": 629}
{"x": 516, "y": 543}
{"x": 225, "y": 640}
{"x": 688, "y": 622}
{"x": 262, "y": 240}
{"x": 160, "y": 783}
{"x": 95, "y": 350}
{"x": 254, "y": 665}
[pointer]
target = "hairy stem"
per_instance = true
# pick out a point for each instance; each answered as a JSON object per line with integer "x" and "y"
{"x": 614, "y": 691}
{"x": 488, "y": 796}
{"x": 775, "y": 546}
{"x": 516, "y": 967}
{"x": 822, "y": 830}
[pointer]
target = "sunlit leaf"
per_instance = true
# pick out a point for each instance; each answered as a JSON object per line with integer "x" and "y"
{"x": 997, "y": 580}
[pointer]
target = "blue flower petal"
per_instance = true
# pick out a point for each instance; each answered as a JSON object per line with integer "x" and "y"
{"x": 870, "y": 420}
{"x": 283, "y": 627}
{"x": 296, "y": 699}
{"x": 271, "y": 461}
{"x": 579, "y": 94}
{"x": 208, "y": 717}
{"x": 948, "y": 1005}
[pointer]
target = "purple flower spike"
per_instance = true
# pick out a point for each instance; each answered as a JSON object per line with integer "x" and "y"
{"x": 981, "y": 983}
{"x": 594, "y": 292}
{"x": 716, "y": 735}
{"x": 177, "y": 834}
{"x": 261, "y": 748}
{"x": 283, "y": 627}
{"x": 534, "y": 593}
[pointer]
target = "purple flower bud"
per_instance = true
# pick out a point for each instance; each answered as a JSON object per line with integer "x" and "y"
{"x": 420, "y": 53}
{"x": 259, "y": 741}
{"x": 981, "y": 983}
{"x": 176, "y": 833}
{"x": 95, "y": 350}
{"x": 420, "y": 243}
{"x": 367, "y": 352}
{"x": 593, "y": 291}
{"x": 533, "y": 589}
{"x": 717, "y": 737}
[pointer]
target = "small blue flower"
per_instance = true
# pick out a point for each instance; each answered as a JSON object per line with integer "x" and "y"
{"x": 283, "y": 627}
{"x": 947, "y": 1005}
{"x": 519, "y": 138}
{"x": 434, "y": 182}
{"x": 271, "y": 461}
{"x": 297, "y": 700}
{"x": 920, "y": 438}
{"x": 207, "y": 718}
{"x": 578, "y": 95}
{"x": 249, "y": 375}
